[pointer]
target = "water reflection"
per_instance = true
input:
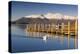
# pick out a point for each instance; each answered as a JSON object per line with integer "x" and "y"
{"x": 24, "y": 40}
{"x": 45, "y": 36}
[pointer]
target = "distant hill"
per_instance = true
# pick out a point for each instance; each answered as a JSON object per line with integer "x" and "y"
{"x": 24, "y": 20}
{"x": 48, "y": 18}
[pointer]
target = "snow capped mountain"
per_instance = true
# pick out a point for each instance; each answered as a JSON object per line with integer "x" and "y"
{"x": 52, "y": 16}
{"x": 70, "y": 17}
{"x": 34, "y": 16}
{"x": 47, "y": 18}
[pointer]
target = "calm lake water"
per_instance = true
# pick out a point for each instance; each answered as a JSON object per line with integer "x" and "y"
{"x": 24, "y": 41}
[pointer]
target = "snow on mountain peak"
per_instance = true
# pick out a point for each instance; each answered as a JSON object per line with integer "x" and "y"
{"x": 51, "y": 16}
{"x": 34, "y": 16}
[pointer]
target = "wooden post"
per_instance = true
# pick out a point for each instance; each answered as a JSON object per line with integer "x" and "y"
{"x": 62, "y": 28}
{"x": 68, "y": 28}
{"x": 75, "y": 39}
{"x": 47, "y": 27}
{"x": 35, "y": 27}
{"x": 51, "y": 28}
{"x": 27, "y": 27}
{"x": 58, "y": 28}
{"x": 68, "y": 34}
{"x": 31, "y": 26}
{"x": 39, "y": 28}
{"x": 76, "y": 27}
{"x": 43, "y": 27}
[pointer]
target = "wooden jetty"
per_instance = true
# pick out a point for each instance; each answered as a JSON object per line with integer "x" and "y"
{"x": 69, "y": 29}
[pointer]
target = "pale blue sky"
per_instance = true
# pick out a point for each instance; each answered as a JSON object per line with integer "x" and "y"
{"x": 20, "y": 9}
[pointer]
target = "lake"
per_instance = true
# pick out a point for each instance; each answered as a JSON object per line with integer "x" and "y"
{"x": 24, "y": 41}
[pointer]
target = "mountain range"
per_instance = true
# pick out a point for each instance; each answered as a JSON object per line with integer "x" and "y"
{"x": 50, "y": 18}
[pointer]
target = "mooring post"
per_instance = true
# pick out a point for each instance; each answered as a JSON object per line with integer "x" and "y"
{"x": 35, "y": 27}
{"x": 27, "y": 27}
{"x": 75, "y": 41}
{"x": 68, "y": 33}
{"x": 62, "y": 31}
{"x": 51, "y": 28}
{"x": 58, "y": 29}
{"x": 68, "y": 28}
{"x": 47, "y": 27}
{"x": 76, "y": 27}
{"x": 62, "y": 28}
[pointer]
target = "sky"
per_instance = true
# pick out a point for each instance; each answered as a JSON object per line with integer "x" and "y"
{"x": 21, "y": 9}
